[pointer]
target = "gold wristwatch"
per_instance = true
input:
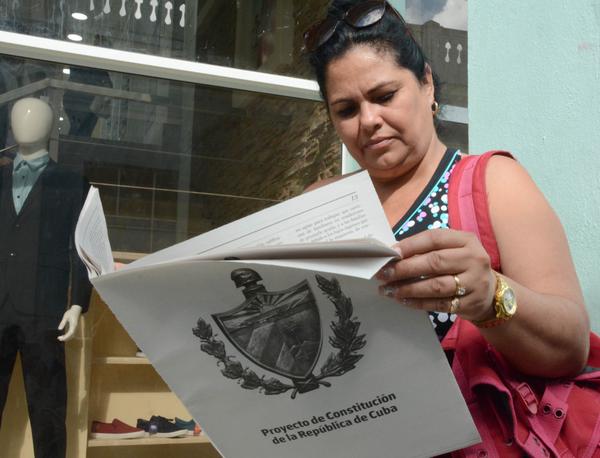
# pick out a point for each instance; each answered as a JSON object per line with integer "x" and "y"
{"x": 505, "y": 305}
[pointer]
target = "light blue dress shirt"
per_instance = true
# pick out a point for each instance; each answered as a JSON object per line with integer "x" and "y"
{"x": 25, "y": 174}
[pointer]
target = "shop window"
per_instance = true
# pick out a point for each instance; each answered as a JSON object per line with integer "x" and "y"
{"x": 263, "y": 35}
{"x": 173, "y": 160}
{"x": 440, "y": 26}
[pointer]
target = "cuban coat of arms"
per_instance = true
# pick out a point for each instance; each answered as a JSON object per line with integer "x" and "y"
{"x": 281, "y": 331}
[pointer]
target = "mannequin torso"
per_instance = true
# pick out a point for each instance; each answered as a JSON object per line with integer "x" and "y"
{"x": 31, "y": 123}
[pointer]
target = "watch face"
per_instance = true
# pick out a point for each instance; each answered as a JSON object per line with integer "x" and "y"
{"x": 509, "y": 302}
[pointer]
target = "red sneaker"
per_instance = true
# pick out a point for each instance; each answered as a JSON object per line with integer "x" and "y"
{"x": 115, "y": 430}
{"x": 197, "y": 429}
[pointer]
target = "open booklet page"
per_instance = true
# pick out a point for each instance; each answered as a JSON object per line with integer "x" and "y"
{"x": 91, "y": 236}
{"x": 345, "y": 210}
{"x": 291, "y": 355}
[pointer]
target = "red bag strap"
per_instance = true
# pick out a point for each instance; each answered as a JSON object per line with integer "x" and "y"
{"x": 468, "y": 211}
{"x": 467, "y": 201}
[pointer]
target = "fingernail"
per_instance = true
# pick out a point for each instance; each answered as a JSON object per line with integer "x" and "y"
{"x": 388, "y": 291}
{"x": 387, "y": 273}
{"x": 405, "y": 302}
{"x": 398, "y": 250}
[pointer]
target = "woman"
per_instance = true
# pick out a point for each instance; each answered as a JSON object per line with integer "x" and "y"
{"x": 381, "y": 95}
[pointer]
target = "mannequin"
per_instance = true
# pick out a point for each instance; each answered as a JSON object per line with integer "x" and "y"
{"x": 31, "y": 122}
{"x": 40, "y": 202}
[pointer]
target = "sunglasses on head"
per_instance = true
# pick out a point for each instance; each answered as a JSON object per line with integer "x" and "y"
{"x": 359, "y": 16}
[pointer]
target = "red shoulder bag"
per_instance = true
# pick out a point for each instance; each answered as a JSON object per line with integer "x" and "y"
{"x": 515, "y": 415}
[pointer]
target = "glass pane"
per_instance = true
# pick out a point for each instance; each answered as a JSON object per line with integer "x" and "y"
{"x": 263, "y": 35}
{"x": 173, "y": 160}
{"x": 451, "y": 14}
{"x": 440, "y": 26}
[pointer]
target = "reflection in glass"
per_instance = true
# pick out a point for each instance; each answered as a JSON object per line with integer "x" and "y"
{"x": 263, "y": 35}
{"x": 440, "y": 28}
{"x": 173, "y": 160}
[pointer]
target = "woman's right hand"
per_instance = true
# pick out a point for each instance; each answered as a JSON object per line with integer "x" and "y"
{"x": 442, "y": 270}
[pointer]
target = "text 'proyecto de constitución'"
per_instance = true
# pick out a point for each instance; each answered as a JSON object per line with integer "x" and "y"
{"x": 332, "y": 420}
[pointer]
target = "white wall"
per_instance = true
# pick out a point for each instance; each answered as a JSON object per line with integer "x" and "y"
{"x": 534, "y": 89}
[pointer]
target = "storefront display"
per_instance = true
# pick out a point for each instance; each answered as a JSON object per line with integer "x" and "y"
{"x": 172, "y": 159}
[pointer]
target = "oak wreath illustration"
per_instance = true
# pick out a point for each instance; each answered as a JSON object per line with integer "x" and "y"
{"x": 280, "y": 331}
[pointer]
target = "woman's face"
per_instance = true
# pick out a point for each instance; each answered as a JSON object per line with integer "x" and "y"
{"x": 380, "y": 110}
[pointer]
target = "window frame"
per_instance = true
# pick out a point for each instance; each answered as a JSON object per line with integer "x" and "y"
{"x": 68, "y": 53}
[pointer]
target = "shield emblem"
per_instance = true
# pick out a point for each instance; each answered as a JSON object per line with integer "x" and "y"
{"x": 278, "y": 330}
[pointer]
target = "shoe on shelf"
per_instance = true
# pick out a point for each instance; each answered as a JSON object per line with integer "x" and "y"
{"x": 192, "y": 427}
{"x": 145, "y": 426}
{"x": 159, "y": 426}
{"x": 115, "y": 430}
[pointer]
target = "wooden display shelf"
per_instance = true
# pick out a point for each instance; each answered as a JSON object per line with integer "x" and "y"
{"x": 122, "y": 383}
{"x": 125, "y": 360}
{"x": 126, "y": 257}
{"x": 148, "y": 441}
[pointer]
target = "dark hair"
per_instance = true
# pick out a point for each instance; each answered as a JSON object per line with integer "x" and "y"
{"x": 389, "y": 34}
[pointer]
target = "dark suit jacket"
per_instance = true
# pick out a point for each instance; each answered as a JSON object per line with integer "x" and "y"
{"x": 42, "y": 289}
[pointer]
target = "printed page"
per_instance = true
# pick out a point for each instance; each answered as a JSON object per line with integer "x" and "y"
{"x": 91, "y": 236}
{"x": 288, "y": 363}
{"x": 348, "y": 209}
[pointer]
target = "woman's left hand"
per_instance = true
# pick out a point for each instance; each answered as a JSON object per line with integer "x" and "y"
{"x": 433, "y": 265}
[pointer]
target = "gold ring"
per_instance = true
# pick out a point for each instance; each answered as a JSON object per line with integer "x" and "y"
{"x": 454, "y": 306}
{"x": 459, "y": 290}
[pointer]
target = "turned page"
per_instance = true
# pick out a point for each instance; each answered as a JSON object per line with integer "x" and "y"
{"x": 299, "y": 233}
{"x": 91, "y": 237}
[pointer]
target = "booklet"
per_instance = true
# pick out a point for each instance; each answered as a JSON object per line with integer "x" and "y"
{"x": 272, "y": 333}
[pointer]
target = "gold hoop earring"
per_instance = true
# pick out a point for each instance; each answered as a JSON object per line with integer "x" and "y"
{"x": 435, "y": 108}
